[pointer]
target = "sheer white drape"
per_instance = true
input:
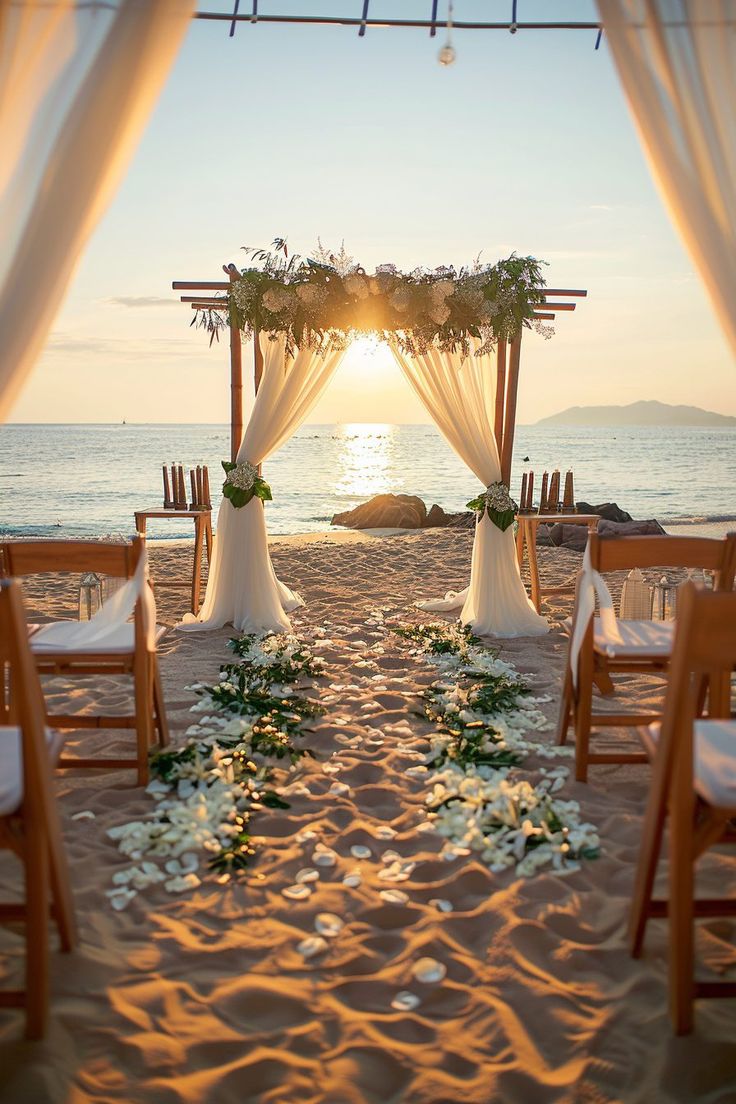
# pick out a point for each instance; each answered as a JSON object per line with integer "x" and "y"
{"x": 78, "y": 82}
{"x": 677, "y": 63}
{"x": 242, "y": 588}
{"x": 460, "y": 396}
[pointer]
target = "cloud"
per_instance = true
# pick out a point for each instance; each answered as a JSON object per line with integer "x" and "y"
{"x": 154, "y": 348}
{"x": 141, "y": 301}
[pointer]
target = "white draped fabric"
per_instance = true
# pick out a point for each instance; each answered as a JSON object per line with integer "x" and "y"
{"x": 77, "y": 85}
{"x": 459, "y": 394}
{"x": 677, "y": 63}
{"x": 592, "y": 585}
{"x": 108, "y": 625}
{"x": 242, "y": 588}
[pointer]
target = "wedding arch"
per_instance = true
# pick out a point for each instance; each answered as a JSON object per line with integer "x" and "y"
{"x": 455, "y": 335}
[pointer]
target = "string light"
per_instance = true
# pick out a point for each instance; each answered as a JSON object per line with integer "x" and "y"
{"x": 447, "y": 55}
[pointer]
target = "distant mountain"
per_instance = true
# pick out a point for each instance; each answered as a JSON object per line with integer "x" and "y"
{"x": 645, "y": 413}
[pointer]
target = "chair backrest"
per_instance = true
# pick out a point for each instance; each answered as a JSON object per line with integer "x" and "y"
{"x": 175, "y": 488}
{"x": 33, "y": 557}
{"x": 624, "y": 553}
{"x": 704, "y": 648}
{"x": 27, "y": 709}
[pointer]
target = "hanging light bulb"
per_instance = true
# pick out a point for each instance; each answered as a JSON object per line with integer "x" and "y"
{"x": 447, "y": 55}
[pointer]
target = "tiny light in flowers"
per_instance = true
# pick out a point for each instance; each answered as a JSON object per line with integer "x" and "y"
{"x": 243, "y": 482}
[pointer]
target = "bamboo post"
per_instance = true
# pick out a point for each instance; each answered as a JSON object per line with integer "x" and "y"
{"x": 236, "y": 378}
{"x": 512, "y": 388}
{"x": 500, "y": 393}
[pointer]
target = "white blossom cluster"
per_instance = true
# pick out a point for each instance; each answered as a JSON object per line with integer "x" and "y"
{"x": 203, "y": 804}
{"x": 498, "y": 498}
{"x": 484, "y": 809}
{"x": 509, "y": 823}
{"x": 242, "y": 476}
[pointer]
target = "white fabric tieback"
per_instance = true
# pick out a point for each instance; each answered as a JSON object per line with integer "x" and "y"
{"x": 592, "y": 585}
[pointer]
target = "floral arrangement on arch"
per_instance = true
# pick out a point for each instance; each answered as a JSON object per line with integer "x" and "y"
{"x": 305, "y": 299}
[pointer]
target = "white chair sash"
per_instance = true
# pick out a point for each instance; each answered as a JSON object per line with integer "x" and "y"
{"x": 79, "y": 636}
{"x": 592, "y": 585}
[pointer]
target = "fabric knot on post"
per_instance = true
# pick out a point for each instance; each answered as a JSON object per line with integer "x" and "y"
{"x": 497, "y": 503}
{"x": 242, "y": 483}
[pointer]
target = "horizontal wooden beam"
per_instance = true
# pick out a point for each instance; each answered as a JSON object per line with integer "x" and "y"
{"x": 561, "y": 291}
{"x": 559, "y": 306}
{"x": 200, "y": 304}
{"x": 201, "y": 285}
{"x": 538, "y": 314}
{"x": 203, "y": 299}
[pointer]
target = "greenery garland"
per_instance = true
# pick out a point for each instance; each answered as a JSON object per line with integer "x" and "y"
{"x": 209, "y": 789}
{"x": 328, "y": 294}
{"x": 483, "y": 713}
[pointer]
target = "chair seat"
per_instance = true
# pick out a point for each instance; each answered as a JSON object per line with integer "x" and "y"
{"x": 639, "y": 638}
{"x": 715, "y": 760}
{"x": 119, "y": 641}
{"x": 11, "y": 766}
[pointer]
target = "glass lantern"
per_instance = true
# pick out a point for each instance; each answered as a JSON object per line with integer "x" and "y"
{"x": 665, "y": 599}
{"x": 90, "y": 595}
{"x": 636, "y": 598}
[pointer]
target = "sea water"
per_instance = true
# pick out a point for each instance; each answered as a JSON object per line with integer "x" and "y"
{"x": 87, "y": 480}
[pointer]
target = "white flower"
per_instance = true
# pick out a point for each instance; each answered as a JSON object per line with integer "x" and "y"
{"x": 242, "y": 476}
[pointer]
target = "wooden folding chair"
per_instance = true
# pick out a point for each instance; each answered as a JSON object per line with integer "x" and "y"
{"x": 694, "y": 782}
{"x": 646, "y": 645}
{"x": 29, "y": 820}
{"x": 129, "y": 652}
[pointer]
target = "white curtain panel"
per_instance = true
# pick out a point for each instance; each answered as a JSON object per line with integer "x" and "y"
{"x": 677, "y": 63}
{"x": 242, "y": 588}
{"x": 78, "y": 81}
{"x": 460, "y": 394}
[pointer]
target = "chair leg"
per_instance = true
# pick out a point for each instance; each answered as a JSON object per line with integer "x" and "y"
{"x": 681, "y": 920}
{"x": 143, "y": 683}
{"x": 159, "y": 705}
{"x": 36, "y": 861}
{"x": 651, "y": 847}
{"x": 604, "y": 682}
{"x": 583, "y": 711}
{"x": 66, "y": 921}
{"x": 566, "y": 707}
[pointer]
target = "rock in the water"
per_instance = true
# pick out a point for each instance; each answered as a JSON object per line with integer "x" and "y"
{"x": 386, "y": 511}
{"x": 611, "y": 511}
{"x": 576, "y": 536}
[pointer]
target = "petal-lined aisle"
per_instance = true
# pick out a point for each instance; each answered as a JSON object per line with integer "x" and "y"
{"x": 405, "y": 973}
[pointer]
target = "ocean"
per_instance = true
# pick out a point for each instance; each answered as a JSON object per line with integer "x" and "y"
{"x": 87, "y": 480}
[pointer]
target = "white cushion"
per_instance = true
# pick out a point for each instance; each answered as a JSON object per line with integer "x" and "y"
{"x": 120, "y": 640}
{"x": 11, "y": 768}
{"x": 714, "y": 766}
{"x": 650, "y": 638}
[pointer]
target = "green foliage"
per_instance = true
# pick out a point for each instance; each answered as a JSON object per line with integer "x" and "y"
{"x": 305, "y": 299}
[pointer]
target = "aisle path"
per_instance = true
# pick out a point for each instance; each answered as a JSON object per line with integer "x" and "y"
{"x": 207, "y": 998}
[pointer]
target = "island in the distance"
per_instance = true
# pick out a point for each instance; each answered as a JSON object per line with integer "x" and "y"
{"x": 645, "y": 413}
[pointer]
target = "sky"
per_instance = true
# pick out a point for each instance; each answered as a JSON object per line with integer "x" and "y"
{"x": 525, "y": 144}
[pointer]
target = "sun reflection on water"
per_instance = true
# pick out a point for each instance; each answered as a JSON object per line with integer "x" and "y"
{"x": 365, "y": 459}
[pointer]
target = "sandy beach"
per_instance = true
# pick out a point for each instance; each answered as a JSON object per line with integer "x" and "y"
{"x": 204, "y": 998}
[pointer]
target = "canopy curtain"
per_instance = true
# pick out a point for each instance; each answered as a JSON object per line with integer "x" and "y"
{"x": 78, "y": 82}
{"x": 677, "y": 63}
{"x": 459, "y": 394}
{"x": 242, "y": 588}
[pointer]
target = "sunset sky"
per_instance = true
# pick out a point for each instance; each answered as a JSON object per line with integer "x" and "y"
{"x": 525, "y": 145}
